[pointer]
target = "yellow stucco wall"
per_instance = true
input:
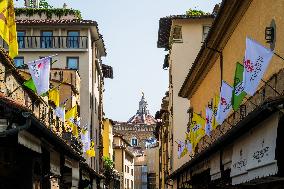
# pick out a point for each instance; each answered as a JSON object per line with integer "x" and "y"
{"x": 258, "y": 16}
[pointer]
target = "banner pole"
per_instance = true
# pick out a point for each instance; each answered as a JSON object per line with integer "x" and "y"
{"x": 278, "y": 55}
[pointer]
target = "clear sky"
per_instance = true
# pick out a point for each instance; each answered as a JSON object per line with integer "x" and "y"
{"x": 130, "y": 30}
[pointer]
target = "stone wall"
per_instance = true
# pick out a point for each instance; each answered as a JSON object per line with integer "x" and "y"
{"x": 141, "y": 132}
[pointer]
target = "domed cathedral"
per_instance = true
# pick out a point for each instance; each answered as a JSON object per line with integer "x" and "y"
{"x": 138, "y": 130}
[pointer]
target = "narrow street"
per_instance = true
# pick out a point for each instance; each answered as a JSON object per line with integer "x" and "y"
{"x": 141, "y": 94}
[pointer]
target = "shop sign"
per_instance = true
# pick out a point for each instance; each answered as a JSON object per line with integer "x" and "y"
{"x": 254, "y": 153}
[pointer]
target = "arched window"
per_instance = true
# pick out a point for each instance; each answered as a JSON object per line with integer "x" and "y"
{"x": 134, "y": 141}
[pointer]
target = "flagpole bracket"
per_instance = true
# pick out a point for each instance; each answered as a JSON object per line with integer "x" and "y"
{"x": 221, "y": 58}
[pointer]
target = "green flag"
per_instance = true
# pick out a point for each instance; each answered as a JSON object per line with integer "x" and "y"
{"x": 238, "y": 92}
{"x": 30, "y": 84}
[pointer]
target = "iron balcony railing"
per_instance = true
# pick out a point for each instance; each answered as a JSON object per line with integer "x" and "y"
{"x": 52, "y": 42}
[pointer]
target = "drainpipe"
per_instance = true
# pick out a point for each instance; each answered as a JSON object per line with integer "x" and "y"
{"x": 13, "y": 131}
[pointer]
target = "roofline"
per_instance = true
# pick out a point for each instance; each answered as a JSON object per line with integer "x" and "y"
{"x": 121, "y": 136}
{"x": 91, "y": 24}
{"x": 165, "y": 27}
{"x": 227, "y": 19}
{"x": 244, "y": 126}
{"x": 54, "y": 139}
{"x": 129, "y": 153}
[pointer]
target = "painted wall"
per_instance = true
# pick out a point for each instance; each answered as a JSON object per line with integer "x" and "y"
{"x": 129, "y": 171}
{"x": 258, "y": 16}
{"x": 182, "y": 55}
{"x": 90, "y": 86}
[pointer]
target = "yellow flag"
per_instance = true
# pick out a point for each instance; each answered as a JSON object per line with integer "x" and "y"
{"x": 184, "y": 152}
{"x": 70, "y": 117}
{"x": 71, "y": 114}
{"x": 214, "y": 109}
{"x": 91, "y": 152}
{"x": 75, "y": 131}
{"x": 53, "y": 95}
{"x": 8, "y": 29}
{"x": 197, "y": 130}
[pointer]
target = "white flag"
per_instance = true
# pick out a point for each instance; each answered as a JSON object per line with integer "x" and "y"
{"x": 257, "y": 58}
{"x": 189, "y": 146}
{"x": 78, "y": 122}
{"x": 181, "y": 147}
{"x": 60, "y": 112}
{"x": 225, "y": 105}
{"x": 85, "y": 140}
{"x": 209, "y": 121}
{"x": 40, "y": 70}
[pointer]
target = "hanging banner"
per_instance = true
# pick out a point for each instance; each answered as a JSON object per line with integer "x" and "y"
{"x": 209, "y": 121}
{"x": 238, "y": 92}
{"x": 197, "y": 130}
{"x": 181, "y": 147}
{"x": 215, "y": 109}
{"x": 60, "y": 112}
{"x": 225, "y": 105}
{"x": 257, "y": 58}
{"x": 40, "y": 71}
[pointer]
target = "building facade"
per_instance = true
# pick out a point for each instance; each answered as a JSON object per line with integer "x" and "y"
{"x": 163, "y": 137}
{"x": 124, "y": 162}
{"x": 78, "y": 47}
{"x": 139, "y": 132}
{"x": 243, "y": 151}
{"x": 182, "y": 37}
{"x": 36, "y": 149}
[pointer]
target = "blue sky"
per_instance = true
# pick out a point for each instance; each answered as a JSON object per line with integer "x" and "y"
{"x": 130, "y": 29}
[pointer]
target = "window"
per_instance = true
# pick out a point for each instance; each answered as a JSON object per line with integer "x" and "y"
{"x": 21, "y": 39}
{"x": 177, "y": 34}
{"x": 134, "y": 141}
{"x": 46, "y": 39}
{"x": 19, "y": 62}
{"x": 132, "y": 172}
{"x": 125, "y": 168}
{"x": 73, "y": 63}
{"x": 73, "y": 39}
{"x": 205, "y": 32}
{"x": 132, "y": 184}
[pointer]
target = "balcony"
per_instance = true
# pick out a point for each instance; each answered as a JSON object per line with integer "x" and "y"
{"x": 47, "y": 43}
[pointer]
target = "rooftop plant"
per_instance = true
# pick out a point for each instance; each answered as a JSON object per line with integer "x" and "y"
{"x": 194, "y": 12}
{"x": 48, "y": 11}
